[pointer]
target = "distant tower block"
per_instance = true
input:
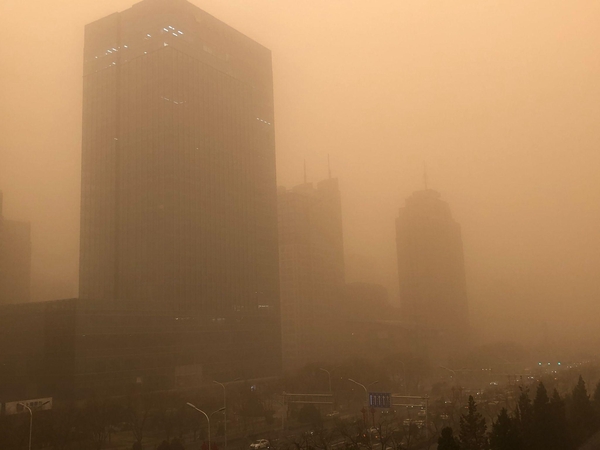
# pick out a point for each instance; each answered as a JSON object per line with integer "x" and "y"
{"x": 431, "y": 272}
{"x": 311, "y": 264}
{"x": 15, "y": 260}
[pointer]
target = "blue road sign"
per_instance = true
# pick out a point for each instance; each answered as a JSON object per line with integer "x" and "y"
{"x": 380, "y": 399}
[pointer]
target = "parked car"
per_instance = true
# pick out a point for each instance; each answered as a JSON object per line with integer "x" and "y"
{"x": 260, "y": 444}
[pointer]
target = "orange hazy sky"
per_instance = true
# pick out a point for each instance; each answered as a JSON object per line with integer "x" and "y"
{"x": 501, "y": 100}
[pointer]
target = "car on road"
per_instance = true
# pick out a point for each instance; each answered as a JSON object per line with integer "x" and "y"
{"x": 260, "y": 444}
{"x": 333, "y": 414}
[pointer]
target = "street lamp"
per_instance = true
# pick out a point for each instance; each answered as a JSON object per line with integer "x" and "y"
{"x": 329, "y": 376}
{"x": 207, "y": 418}
{"x": 364, "y": 387}
{"x": 449, "y": 370}
{"x": 225, "y": 405}
{"x": 404, "y": 376}
{"x": 283, "y": 412}
{"x": 31, "y": 417}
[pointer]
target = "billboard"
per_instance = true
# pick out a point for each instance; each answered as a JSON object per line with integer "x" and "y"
{"x": 36, "y": 404}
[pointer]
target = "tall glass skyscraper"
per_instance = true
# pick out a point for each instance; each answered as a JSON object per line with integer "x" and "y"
{"x": 179, "y": 197}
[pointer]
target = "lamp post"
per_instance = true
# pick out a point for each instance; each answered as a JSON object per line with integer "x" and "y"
{"x": 31, "y": 418}
{"x": 328, "y": 376}
{"x": 404, "y": 377}
{"x": 207, "y": 418}
{"x": 371, "y": 384}
{"x": 367, "y": 395}
{"x": 225, "y": 406}
{"x": 283, "y": 412}
{"x": 364, "y": 387}
{"x": 449, "y": 370}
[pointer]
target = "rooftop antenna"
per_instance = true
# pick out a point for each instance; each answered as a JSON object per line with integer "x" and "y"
{"x": 328, "y": 166}
{"x": 425, "y": 175}
{"x": 305, "y": 171}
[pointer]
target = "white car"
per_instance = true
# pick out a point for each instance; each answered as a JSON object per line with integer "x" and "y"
{"x": 260, "y": 444}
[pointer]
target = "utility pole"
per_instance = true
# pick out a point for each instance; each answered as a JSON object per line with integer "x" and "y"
{"x": 224, "y": 407}
{"x": 31, "y": 417}
{"x": 207, "y": 418}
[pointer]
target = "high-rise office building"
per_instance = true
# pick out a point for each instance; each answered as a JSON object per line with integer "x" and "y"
{"x": 179, "y": 196}
{"x": 311, "y": 255}
{"x": 15, "y": 260}
{"x": 431, "y": 272}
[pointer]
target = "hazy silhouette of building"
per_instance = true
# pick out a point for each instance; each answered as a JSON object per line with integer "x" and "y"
{"x": 37, "y": 352}
{"x": 179, "y": 196}
{"x": 431, "y": 273}
{"x": 15, "y": 260}
{"x": 311, "y": 264}
{"x": 366, "y": 325}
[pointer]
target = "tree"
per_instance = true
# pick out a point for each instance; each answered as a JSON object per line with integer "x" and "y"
{"x": 166, "y": 418}
{"x": 596, "y": 404}
{"x": 472, "y": 429}
{"x": 137, "y": 415}
{"x": 164, "y": 445}
{"x": 63, "y": 423}
{"x": 309, "y": 414}
{"x": 544, "y": 425}
{"x": 96, "y": 418}
{"x": 581, "y": 413}
{"x": 447, "y": 441}
{"x": 176, "y": 444}
{"x": 524, "y": 420}
{"x": 505, "y": 433}
{"x": 252, "y": 406}
{"x": 541, "y": 418}
{"x": 558, "y": 423}
{"x": 322, "y": 437}
{"x": 385, "y": 430}
{"x": 354, "y": 433}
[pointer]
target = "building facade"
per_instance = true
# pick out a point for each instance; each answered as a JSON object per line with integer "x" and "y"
{"x": 15, "y": 260}
{"x": 311, "y": 258}
{"x": 431, "y": 272}
{"x": 74, "y": 349}
{"x": 179, "y": 199}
